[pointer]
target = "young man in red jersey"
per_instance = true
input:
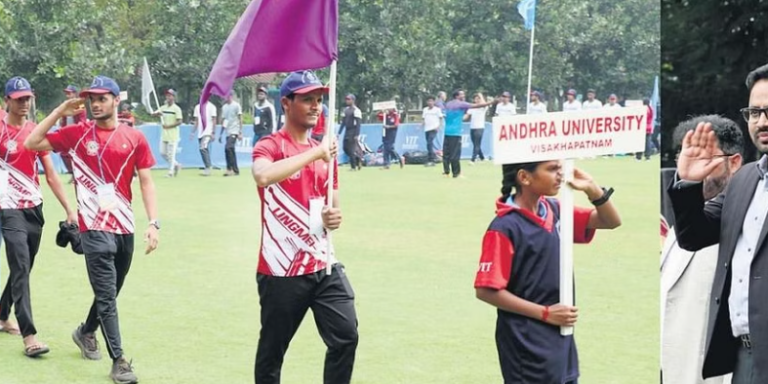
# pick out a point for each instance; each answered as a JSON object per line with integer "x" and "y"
{"x": 291, "y": 171}
{"x": 21, "y": 211}
{"x": 104, "y": 157}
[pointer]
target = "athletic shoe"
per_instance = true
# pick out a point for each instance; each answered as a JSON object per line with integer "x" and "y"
{"x": 206, "y": 172}
{"x": 89, "y": 346}
{"x": 169, "y": 175}
{"x": 122, "y": 372}
{"x": 471, "y": 162}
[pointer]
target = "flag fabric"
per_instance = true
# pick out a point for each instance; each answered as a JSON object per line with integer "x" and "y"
{"x": 655, "y": 99}
{"x": 275, "y": 36}
{"x": 147, "y": 87}
{"x": 527, "y": 9}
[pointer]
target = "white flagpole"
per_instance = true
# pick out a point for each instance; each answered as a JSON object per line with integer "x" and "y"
{"x": 566, "y": 241}
{"x": 330, "y": 129}
{"x": 530, "y": 71}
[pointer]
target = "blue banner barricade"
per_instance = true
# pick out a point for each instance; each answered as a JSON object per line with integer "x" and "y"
{"x": 410, "y": 137}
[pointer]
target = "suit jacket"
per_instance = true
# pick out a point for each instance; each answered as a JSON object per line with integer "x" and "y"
{"x": 720, "y": 221}
{"x": 686, "y": 282}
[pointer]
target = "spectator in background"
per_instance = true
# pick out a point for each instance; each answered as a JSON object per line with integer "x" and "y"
{"x": 571, "y": 104}
{"x": 536, "y": 106}
{"x": 264, "y": 117}
{"x": 432, "y": 120}
{"x": 232, "y": 123}
{"x": 351, "y": 121}
{"x": 170, "y": 118}
{"x": 455, "y": 111}
{"x": 205, "y": 135}
{"x": 441, "y": 97}
{"x": 81, "y": 116}
{"x": 591, "y": 102}
{"x": 391, "y": 121}
{"x": 648, "y": 132}
{"x": 505, "y": 107}
{"x": 319, "y": 130}
{"x": 477, "y": 127}
{"x": 126, "y": 116}
{"x": 612, "y": 102}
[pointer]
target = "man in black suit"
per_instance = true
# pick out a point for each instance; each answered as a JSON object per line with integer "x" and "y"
{"x": 737, "y": 334}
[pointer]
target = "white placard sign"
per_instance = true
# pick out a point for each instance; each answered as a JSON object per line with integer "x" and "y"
{"x": 384, "y": 105}
{"x": 568, "y": 135}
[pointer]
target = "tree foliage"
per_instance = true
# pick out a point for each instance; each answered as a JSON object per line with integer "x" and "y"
{"x": 406, "y": 49}
{"x": 709, "y": 48}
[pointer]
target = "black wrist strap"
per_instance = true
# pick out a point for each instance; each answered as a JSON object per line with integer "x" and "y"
{"x": 603, "y": 199}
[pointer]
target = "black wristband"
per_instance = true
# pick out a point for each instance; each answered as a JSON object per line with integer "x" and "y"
{"x": 603, "y": 199}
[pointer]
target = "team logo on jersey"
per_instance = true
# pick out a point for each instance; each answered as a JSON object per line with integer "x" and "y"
{"x": 485, "y": 267}
{"x": 92, "y": 148}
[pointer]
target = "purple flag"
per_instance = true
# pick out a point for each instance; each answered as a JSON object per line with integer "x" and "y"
{"x": 275, "y": 36}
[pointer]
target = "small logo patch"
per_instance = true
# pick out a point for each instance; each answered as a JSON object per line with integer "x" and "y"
{"x": 92, "y": 148}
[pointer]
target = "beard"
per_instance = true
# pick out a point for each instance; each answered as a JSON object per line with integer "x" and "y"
{"x": 104, "y": 116}
{"x": 715, "y": 185}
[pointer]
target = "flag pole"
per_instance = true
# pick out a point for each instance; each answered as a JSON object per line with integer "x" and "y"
{"x": 530, "y": 71}
{"x": 330, "y": 129}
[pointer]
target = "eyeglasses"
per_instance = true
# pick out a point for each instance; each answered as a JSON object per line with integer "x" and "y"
{"x": 753, "y": 114}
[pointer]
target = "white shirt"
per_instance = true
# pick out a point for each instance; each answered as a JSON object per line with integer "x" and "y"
{"x": 431, "y": 118}
{"x": 477, "y": 117}
{"x": 594, "y": 104}
{"x": 612, "y": 106}
{"x": 575, "y": 105}
{"x": 210, "y": 117}
{"x": 507, "y": 109}
{"x": 537, "y": 108}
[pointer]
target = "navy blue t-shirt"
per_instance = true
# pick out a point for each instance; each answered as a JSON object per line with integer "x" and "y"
{"x": 521, "y": 253}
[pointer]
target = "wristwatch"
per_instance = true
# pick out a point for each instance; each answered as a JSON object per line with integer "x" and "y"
{"x": 155, "y": 223}
{"x": 603, "y": 199}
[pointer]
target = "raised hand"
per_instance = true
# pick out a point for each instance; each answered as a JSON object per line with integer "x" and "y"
{"x": 71, "y": 106}
{"x": 697, "y": 159}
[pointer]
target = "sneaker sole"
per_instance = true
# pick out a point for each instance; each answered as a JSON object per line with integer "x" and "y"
{"x": 116, "y": 381}
{"x": 82, "y": 347}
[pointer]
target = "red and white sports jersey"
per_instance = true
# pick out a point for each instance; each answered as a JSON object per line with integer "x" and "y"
{"x": 21, "y": 164}
{"x": 99, "y": 157}
{"x": 287, "y": 247}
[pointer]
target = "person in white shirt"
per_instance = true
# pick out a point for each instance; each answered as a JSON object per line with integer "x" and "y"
{"x": 536, "y": 106}
{"x": 591, "y": 102}
{"x": 477, "y": 127}
{"x": 571, "y": 104}
{"x": 505, "y": 108}
{"x": 433, "y": 119}
{"x": 205, "y": 136}
{"x": 612, "y": 102}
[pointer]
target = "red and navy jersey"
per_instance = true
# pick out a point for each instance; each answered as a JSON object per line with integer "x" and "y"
{"x": 521, "y": 253}
{"x": 287, "y": 247}
{"x": 99, "y": 157}
{"x": 23, "y": 181}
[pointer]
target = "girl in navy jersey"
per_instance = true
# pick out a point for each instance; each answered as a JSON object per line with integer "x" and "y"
{"x": 520, "y": 270}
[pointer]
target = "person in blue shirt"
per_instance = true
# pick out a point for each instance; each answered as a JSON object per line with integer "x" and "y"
{"x": 454, "y": 115}
{"x": 519, "y": 270}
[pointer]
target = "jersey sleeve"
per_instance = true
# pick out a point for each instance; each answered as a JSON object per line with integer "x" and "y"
{"x": 495, "y": 261}
{"x": 144, "y": 158}
{"x": 179, "y": 114}
{"x": 582, "y": 234}
{"x": 65, "y": 138}
{"x": 266, "y": 148}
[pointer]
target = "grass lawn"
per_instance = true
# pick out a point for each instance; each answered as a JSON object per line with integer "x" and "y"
{"x": 410, "y": 241}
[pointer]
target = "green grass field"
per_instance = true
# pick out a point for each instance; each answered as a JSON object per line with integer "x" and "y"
{"x": 410, "y": 241}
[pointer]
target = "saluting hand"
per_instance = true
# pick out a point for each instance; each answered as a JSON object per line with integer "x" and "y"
{"x": 697, "y": 159}
{"x": 71, "y": 106}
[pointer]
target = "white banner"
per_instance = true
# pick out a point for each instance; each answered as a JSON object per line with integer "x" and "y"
{"x": 568, "y": 135}
{"x": 385, "y": 105}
